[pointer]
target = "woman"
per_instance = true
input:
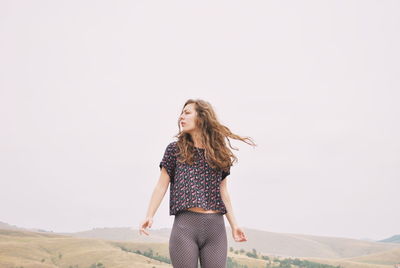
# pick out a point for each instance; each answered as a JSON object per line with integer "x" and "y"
{"x": 196, "y": 166}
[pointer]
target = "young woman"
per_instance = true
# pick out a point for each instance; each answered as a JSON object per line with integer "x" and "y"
{"x": 196, "y": 166}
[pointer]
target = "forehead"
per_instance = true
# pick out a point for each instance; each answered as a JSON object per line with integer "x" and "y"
{"x": 189, "y": 107}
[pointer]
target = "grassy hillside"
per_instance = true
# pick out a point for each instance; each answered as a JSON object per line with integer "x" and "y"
{"x": 47, "y": 250}
{"x": 282, "y": 244}
{"x": 37, "y": 250}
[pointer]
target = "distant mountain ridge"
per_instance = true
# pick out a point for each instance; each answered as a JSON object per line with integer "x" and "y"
{"x": 392, "y": 239}
{"x": 6, "y": 226}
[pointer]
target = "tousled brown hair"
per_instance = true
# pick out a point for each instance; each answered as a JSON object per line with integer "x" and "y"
{"x": 214, "y": 137}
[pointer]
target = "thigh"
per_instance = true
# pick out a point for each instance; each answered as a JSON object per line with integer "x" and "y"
{"x": 183, "y": 247}
{"x": 214, "y": 250}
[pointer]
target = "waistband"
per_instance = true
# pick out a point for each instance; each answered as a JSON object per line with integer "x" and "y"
{"x": 185, "y": 211}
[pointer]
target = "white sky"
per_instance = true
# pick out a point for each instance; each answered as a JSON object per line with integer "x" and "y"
{"x": 90, "y": 93}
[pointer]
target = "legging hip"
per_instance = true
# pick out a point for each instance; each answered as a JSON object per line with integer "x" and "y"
{"x": 198, "y": 237}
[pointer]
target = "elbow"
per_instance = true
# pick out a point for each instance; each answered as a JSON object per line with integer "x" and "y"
{"x": 162, "y": 187}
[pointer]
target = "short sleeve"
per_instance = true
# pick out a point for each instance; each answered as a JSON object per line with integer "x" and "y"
{"x": 169, "y": 160}
{"x": 226, "y": 173}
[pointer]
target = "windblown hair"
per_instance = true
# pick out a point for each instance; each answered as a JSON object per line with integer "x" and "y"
{"x": 214, "y": 137}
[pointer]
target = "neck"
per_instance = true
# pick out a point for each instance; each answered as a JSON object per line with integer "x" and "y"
{"x": 196, "y": 140}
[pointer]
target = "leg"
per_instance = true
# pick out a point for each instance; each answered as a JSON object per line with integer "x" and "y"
{"x": 183, "y": 248}
{"x": 214, "y": 246}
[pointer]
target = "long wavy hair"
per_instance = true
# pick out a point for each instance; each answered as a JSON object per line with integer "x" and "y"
{"x": 214, "y": 136}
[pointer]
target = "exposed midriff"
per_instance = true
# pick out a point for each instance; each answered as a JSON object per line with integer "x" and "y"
{"x": 202, "y": 210}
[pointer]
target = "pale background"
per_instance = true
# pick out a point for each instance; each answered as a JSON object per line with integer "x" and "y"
{"x": 90, "y": 93}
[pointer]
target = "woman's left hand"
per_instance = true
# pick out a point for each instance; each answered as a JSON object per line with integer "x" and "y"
{"x": 238, "y": 234}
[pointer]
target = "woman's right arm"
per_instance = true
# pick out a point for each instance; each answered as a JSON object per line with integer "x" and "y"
{"x": 157, "y": 196}
{"x": 158, "y": 193}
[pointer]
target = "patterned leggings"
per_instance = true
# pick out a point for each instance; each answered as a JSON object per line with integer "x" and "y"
{"x": 197, "y": 235}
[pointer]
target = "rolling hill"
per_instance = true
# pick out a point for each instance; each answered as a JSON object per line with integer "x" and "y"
{"x": 124, "y": 247}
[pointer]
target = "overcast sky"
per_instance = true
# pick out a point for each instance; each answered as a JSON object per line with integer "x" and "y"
{"x": 90, "y": 93}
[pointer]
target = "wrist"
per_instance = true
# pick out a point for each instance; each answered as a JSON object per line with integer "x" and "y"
{"x": 234, "y": 226}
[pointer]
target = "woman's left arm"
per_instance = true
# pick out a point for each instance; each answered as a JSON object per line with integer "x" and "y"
{"x": 237, "y": 232}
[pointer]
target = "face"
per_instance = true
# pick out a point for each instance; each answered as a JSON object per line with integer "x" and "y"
{"x": 187, "y": 118}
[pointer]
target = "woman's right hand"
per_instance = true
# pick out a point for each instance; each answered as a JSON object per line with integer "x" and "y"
{"x": 144, "y": 224}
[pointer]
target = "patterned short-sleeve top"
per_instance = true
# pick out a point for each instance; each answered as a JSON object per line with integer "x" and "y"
{"x": 196, "y": 185}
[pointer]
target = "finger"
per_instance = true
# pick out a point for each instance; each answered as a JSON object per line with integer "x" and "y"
{"x": 143, "y": 231}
